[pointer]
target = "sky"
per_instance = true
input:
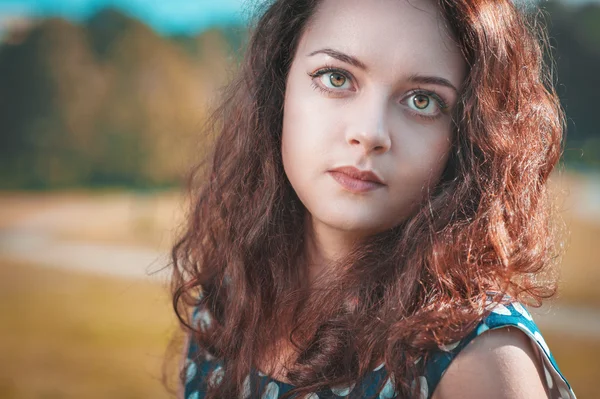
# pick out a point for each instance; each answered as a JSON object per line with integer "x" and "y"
{"x": 165, "y": 16}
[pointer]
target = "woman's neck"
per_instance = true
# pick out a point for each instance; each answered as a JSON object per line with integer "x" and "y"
{"x": 325, "y": 246}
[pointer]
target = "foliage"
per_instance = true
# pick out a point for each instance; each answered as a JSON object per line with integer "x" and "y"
{"x": 107, "y": 103}
{"x": 575, "y": 36}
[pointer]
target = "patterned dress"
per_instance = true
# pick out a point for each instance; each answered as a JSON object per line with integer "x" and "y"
{"x": 203, "y": 370}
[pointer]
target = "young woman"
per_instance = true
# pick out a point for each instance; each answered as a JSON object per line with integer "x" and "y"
{"x": 375, "y": 211}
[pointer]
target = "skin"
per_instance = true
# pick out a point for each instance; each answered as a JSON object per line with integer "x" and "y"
{"x": 366, "y": 115}
{"x": 499, "y": 364}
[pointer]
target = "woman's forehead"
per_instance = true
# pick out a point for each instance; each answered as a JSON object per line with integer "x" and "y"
{"x": 388, "y": 36}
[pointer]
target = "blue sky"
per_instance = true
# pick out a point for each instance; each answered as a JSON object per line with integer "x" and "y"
{"x": 166, "y": 16}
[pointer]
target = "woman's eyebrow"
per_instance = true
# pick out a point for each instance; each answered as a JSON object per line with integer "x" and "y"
{"x": 348, "y": 59}
{"x": 416, "y": 78}
{"x": 434, "y": 80}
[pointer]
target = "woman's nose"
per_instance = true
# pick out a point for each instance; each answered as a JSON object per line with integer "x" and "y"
{"x": 369, "y": 129}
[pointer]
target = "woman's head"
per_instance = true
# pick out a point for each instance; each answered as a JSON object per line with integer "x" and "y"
{"x": 459, "y": 191}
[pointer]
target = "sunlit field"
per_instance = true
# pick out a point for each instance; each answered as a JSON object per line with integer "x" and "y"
{"x": 66, "y": 333}
{"x": 578, "y": 360}
{"x": 71, "y": 335}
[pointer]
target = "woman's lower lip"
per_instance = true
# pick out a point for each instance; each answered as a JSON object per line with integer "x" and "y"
{"x": 354, "y": 185}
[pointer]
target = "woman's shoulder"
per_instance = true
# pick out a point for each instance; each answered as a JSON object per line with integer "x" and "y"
{"x": 504, "y": 354}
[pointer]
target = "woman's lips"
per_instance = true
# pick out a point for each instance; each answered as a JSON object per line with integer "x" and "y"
{"x": 355, "y": 180}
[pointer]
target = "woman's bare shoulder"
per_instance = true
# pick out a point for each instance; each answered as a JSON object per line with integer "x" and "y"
{"x": 500, "y": 363}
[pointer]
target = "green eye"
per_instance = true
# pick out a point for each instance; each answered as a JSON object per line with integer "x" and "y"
{"x": 332, "y": 80}
{"x": 424, "y": 103}
{"x": 337, "y": 79}
{"x": 421, "y": 101}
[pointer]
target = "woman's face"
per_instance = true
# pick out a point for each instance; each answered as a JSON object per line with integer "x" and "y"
{"x": 367, "y": 126}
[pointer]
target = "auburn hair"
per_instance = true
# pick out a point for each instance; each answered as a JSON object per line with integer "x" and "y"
{"x": 487, "y": 227}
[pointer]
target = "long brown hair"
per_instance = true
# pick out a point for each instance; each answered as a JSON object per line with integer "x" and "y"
{"x": 487, "y": 226}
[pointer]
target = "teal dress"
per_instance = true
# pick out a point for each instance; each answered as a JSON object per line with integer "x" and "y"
{"x": 203, "y": 369}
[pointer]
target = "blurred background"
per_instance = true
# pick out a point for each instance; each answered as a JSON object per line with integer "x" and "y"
{"x": 101, "y": 105}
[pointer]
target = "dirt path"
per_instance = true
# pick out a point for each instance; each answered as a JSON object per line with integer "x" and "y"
{"x": 121, "y": 261}
{"x": 59, "y": 231}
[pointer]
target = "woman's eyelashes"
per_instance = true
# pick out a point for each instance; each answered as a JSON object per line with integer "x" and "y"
{"x": 425, "y": 104}
{"x": 419, "y": 102}
{"x": 332, "y": 80}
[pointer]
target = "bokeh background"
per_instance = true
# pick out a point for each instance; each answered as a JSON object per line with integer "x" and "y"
{"x": 101, "y": 105}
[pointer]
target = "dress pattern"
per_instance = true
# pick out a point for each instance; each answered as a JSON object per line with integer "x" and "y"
{"x": 204, "y": 370}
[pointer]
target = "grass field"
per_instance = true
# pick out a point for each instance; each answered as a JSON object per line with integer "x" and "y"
{"x": 578, "y": 361}
{"x": 580, "y": 271}
{"x": 69, "y": 335}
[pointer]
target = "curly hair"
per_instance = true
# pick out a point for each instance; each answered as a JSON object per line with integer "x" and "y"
{"x": 486, "y": 227}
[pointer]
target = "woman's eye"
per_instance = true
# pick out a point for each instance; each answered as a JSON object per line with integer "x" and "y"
{"x": 335, "y": 79}
{"x": 331, "y": 80}
{"x": 421, "y": 101}
{"x": 425, "y": 104}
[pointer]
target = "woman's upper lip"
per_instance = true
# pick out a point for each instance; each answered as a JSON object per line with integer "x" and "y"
{"x": 358, "y": 174}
